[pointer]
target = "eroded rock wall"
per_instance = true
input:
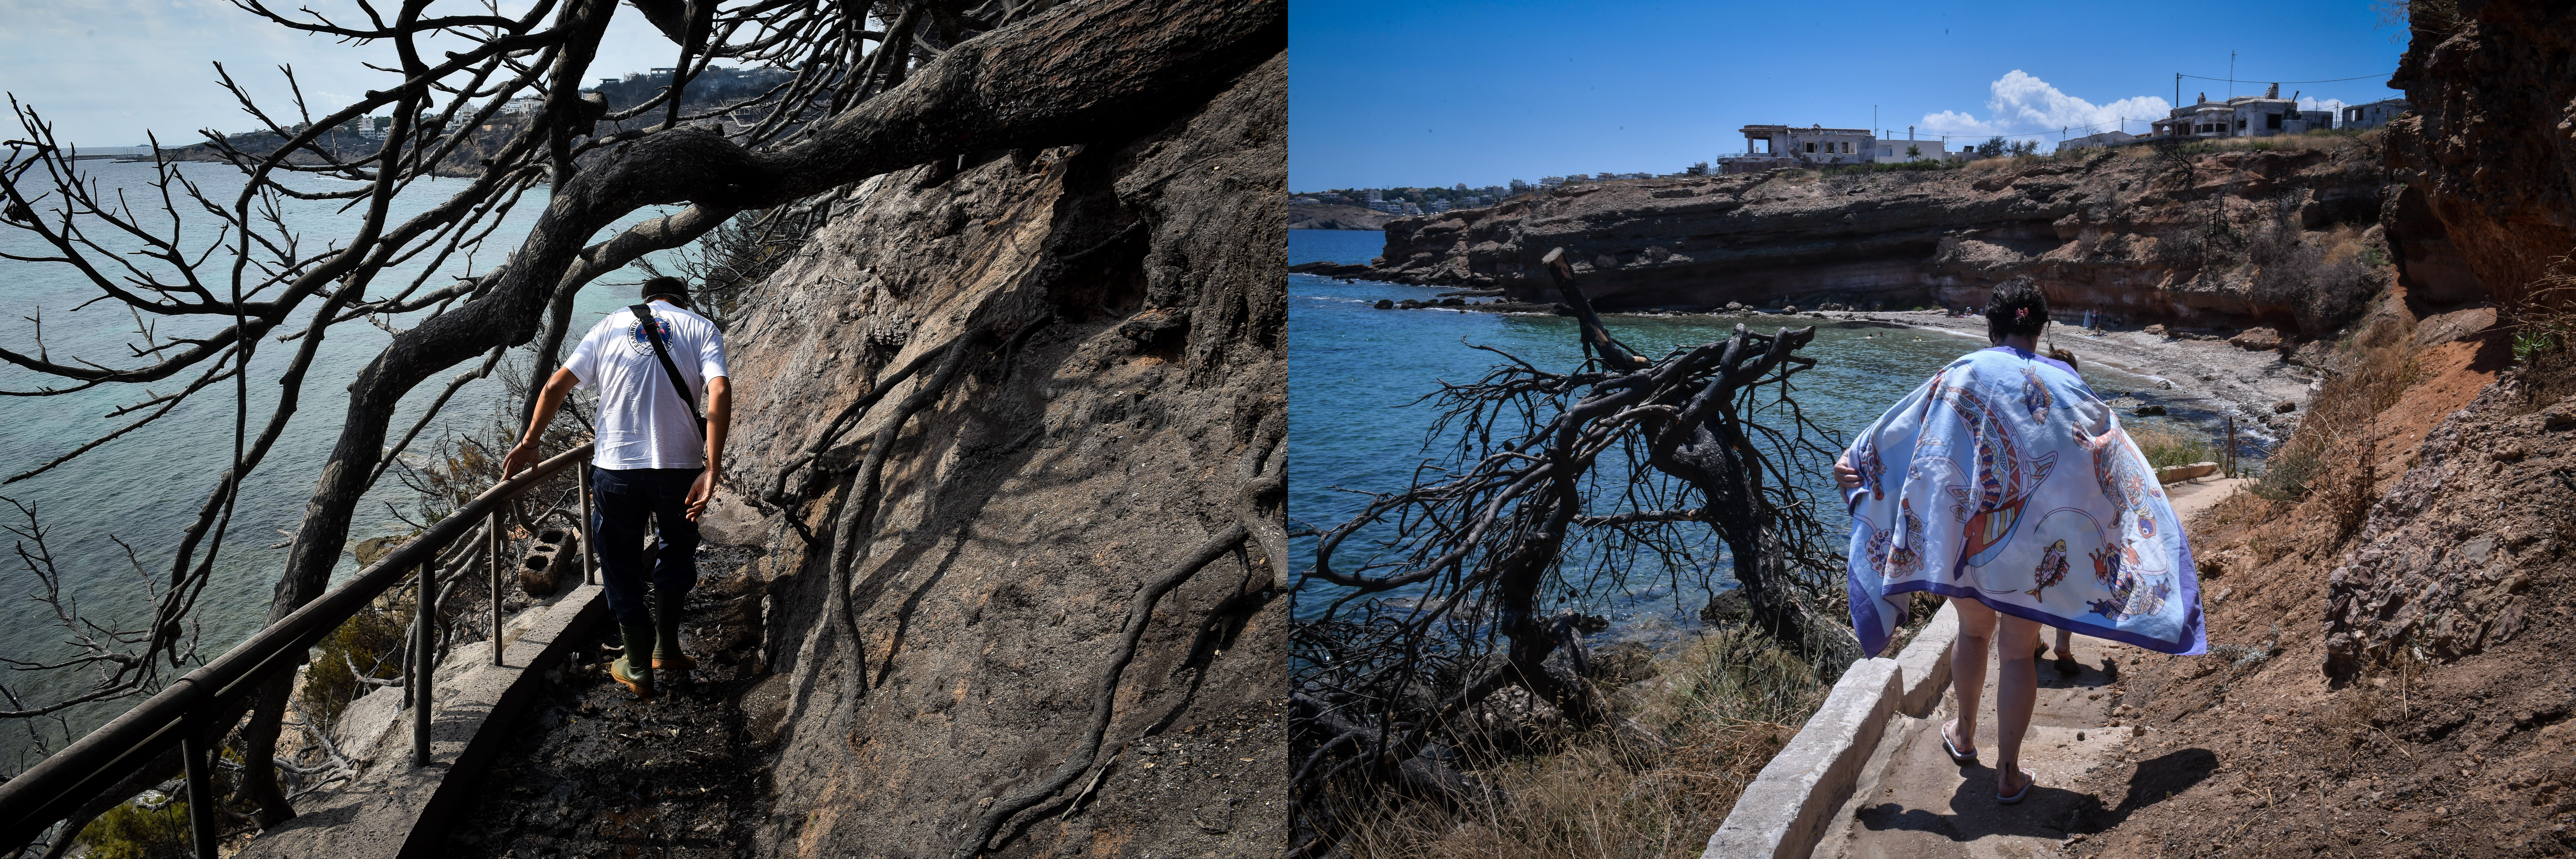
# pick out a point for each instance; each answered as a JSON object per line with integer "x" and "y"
{"x": 2213, "y": 238}
{"x": 1065, "y": 467}
{"x": 2451, "y": 554}
{"x": 2489, "y": 147}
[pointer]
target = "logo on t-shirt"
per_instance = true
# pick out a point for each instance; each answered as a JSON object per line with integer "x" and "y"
{"x": 635, "y": 335}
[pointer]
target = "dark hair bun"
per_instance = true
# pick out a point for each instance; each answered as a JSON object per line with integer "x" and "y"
{"x": 2016, "y": 307}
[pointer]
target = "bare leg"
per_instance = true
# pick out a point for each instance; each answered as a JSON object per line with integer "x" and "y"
{"x": 1968, "y": 670}
{"x": 2065, "y": 644}
{"x": 2016, "y": 691}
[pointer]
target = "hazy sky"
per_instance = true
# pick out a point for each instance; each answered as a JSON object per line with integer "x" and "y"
{"x": 1435, "y": 93}
{"x": 103, "y": 71}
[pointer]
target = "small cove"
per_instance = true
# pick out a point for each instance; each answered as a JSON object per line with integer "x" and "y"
{"x": 1354, "y": 369}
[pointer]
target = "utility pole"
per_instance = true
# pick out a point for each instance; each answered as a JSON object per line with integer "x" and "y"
{"x": 2231, "y": 74}
{"x": 2177, "y": 102}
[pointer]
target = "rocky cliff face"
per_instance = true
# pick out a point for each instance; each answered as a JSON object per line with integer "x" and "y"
{"x": 2278, "y": 237}
{"x": 2490, "y": 165}
{"x": 1330, "y": 217}
{"x": 1132, "y": 385}
{"x": 2486, "y": 151}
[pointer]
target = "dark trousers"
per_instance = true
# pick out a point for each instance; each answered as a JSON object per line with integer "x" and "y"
{"x": 620, "y": 500}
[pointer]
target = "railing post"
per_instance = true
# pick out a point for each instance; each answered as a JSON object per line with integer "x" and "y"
{"x": 492, "y": 562}
{"x": 201, "y": 794}
{"x": 2230, "y": 458}
{"x": 424, "y": 660}
{"x": 589, "y": 567}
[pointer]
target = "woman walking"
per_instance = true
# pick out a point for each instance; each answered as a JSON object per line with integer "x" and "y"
{"x": 2006, "y": 485}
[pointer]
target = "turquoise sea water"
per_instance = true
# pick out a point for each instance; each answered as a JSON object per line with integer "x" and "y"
{"x": 147, "y": 486}
{"x": 1354, "y": 369}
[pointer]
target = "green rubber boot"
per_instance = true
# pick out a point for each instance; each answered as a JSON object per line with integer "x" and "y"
{"x": 630, "y": 668}
{"x": 668, "y": 607}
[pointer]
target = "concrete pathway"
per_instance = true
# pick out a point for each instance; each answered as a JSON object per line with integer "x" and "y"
{"x": 1912, "y": 801}
{"x": 2192, "y": 496}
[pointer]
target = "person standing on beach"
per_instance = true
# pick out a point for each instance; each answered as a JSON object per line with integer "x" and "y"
{"x": 2006, "y": 485}
{"x": 654, "y": 457}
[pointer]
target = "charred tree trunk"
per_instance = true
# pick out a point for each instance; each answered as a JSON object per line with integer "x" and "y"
{"x": 1477, "y": 545}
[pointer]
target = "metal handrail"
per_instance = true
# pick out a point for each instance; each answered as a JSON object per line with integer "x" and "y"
{"x": 52, "y": 789}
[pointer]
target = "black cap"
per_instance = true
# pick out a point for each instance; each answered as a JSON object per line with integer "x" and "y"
{"x": 670, "y": 286}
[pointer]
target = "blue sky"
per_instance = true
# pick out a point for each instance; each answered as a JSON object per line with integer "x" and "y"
{"x": 1432, "y": 94}
{"x": 103, "y": 71}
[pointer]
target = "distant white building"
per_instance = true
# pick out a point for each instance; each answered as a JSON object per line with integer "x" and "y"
{"x": 2243, "y": 116}
{"x": 1375, "y": 196}
{"x": 1768, "y": 147}
{"x": 2107, "y": 138}
{"x": 1894, "y": 151}
{"x": 2374, "y": 114}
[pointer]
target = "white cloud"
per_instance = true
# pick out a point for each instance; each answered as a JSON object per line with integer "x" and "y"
{"x": 2023, "y": 104}
{"x": 1954, "y": 123}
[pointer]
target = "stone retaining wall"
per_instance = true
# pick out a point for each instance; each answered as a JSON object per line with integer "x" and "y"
{"x": 399, "y": 810}
{"x": 1786, "y": 808}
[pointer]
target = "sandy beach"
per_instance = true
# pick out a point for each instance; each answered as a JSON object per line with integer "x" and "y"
{"x": 2185, "y": 370}
{"x": 2212, "y": 371}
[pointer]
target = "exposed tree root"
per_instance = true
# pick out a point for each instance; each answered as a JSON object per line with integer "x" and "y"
{"x": 852, "y": 534}
{"x": 1140, "y": 609}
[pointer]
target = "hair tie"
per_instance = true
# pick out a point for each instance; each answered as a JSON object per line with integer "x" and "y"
{"x": 2023, "y": 313}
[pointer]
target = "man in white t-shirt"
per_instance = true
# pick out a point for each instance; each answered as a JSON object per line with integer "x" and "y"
{"x": 651, "y": 458}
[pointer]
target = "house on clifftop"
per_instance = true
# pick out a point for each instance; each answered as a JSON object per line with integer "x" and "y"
{"x": 2243, "y": 116}
{"x": 1770, "y": 147}
{"x": 2374, "y": 114}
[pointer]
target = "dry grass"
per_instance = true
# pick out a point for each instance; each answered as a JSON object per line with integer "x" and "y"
{"x": 1720, "y": 706}
{"x": 2332, "y": 459}
{"x": 2543, "y": 322}
{"x": 1654, "y": 783}
{"x": 2165, "y": 446}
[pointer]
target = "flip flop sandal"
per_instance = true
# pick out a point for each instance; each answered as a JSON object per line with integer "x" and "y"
{"x": 1955, "y": 756}
{"x": 2068, "y": 667}
{"x": 2024, "y": 793}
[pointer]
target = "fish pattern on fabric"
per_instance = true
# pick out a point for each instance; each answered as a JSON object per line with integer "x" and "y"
{"x": 2016, "y": 475}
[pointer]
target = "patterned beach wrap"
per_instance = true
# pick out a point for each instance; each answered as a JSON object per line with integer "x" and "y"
{"x": 2005, "y": 480}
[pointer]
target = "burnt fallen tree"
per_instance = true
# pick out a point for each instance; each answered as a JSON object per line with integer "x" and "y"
{"x": 1640, "y": 465}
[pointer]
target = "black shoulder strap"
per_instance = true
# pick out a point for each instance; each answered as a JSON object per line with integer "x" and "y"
{"x": 653, "y": 334}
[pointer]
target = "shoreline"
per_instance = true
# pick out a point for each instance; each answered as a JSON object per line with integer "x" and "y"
{"x": 2213, "y": 374}
{"x": 2210, "y": 374}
